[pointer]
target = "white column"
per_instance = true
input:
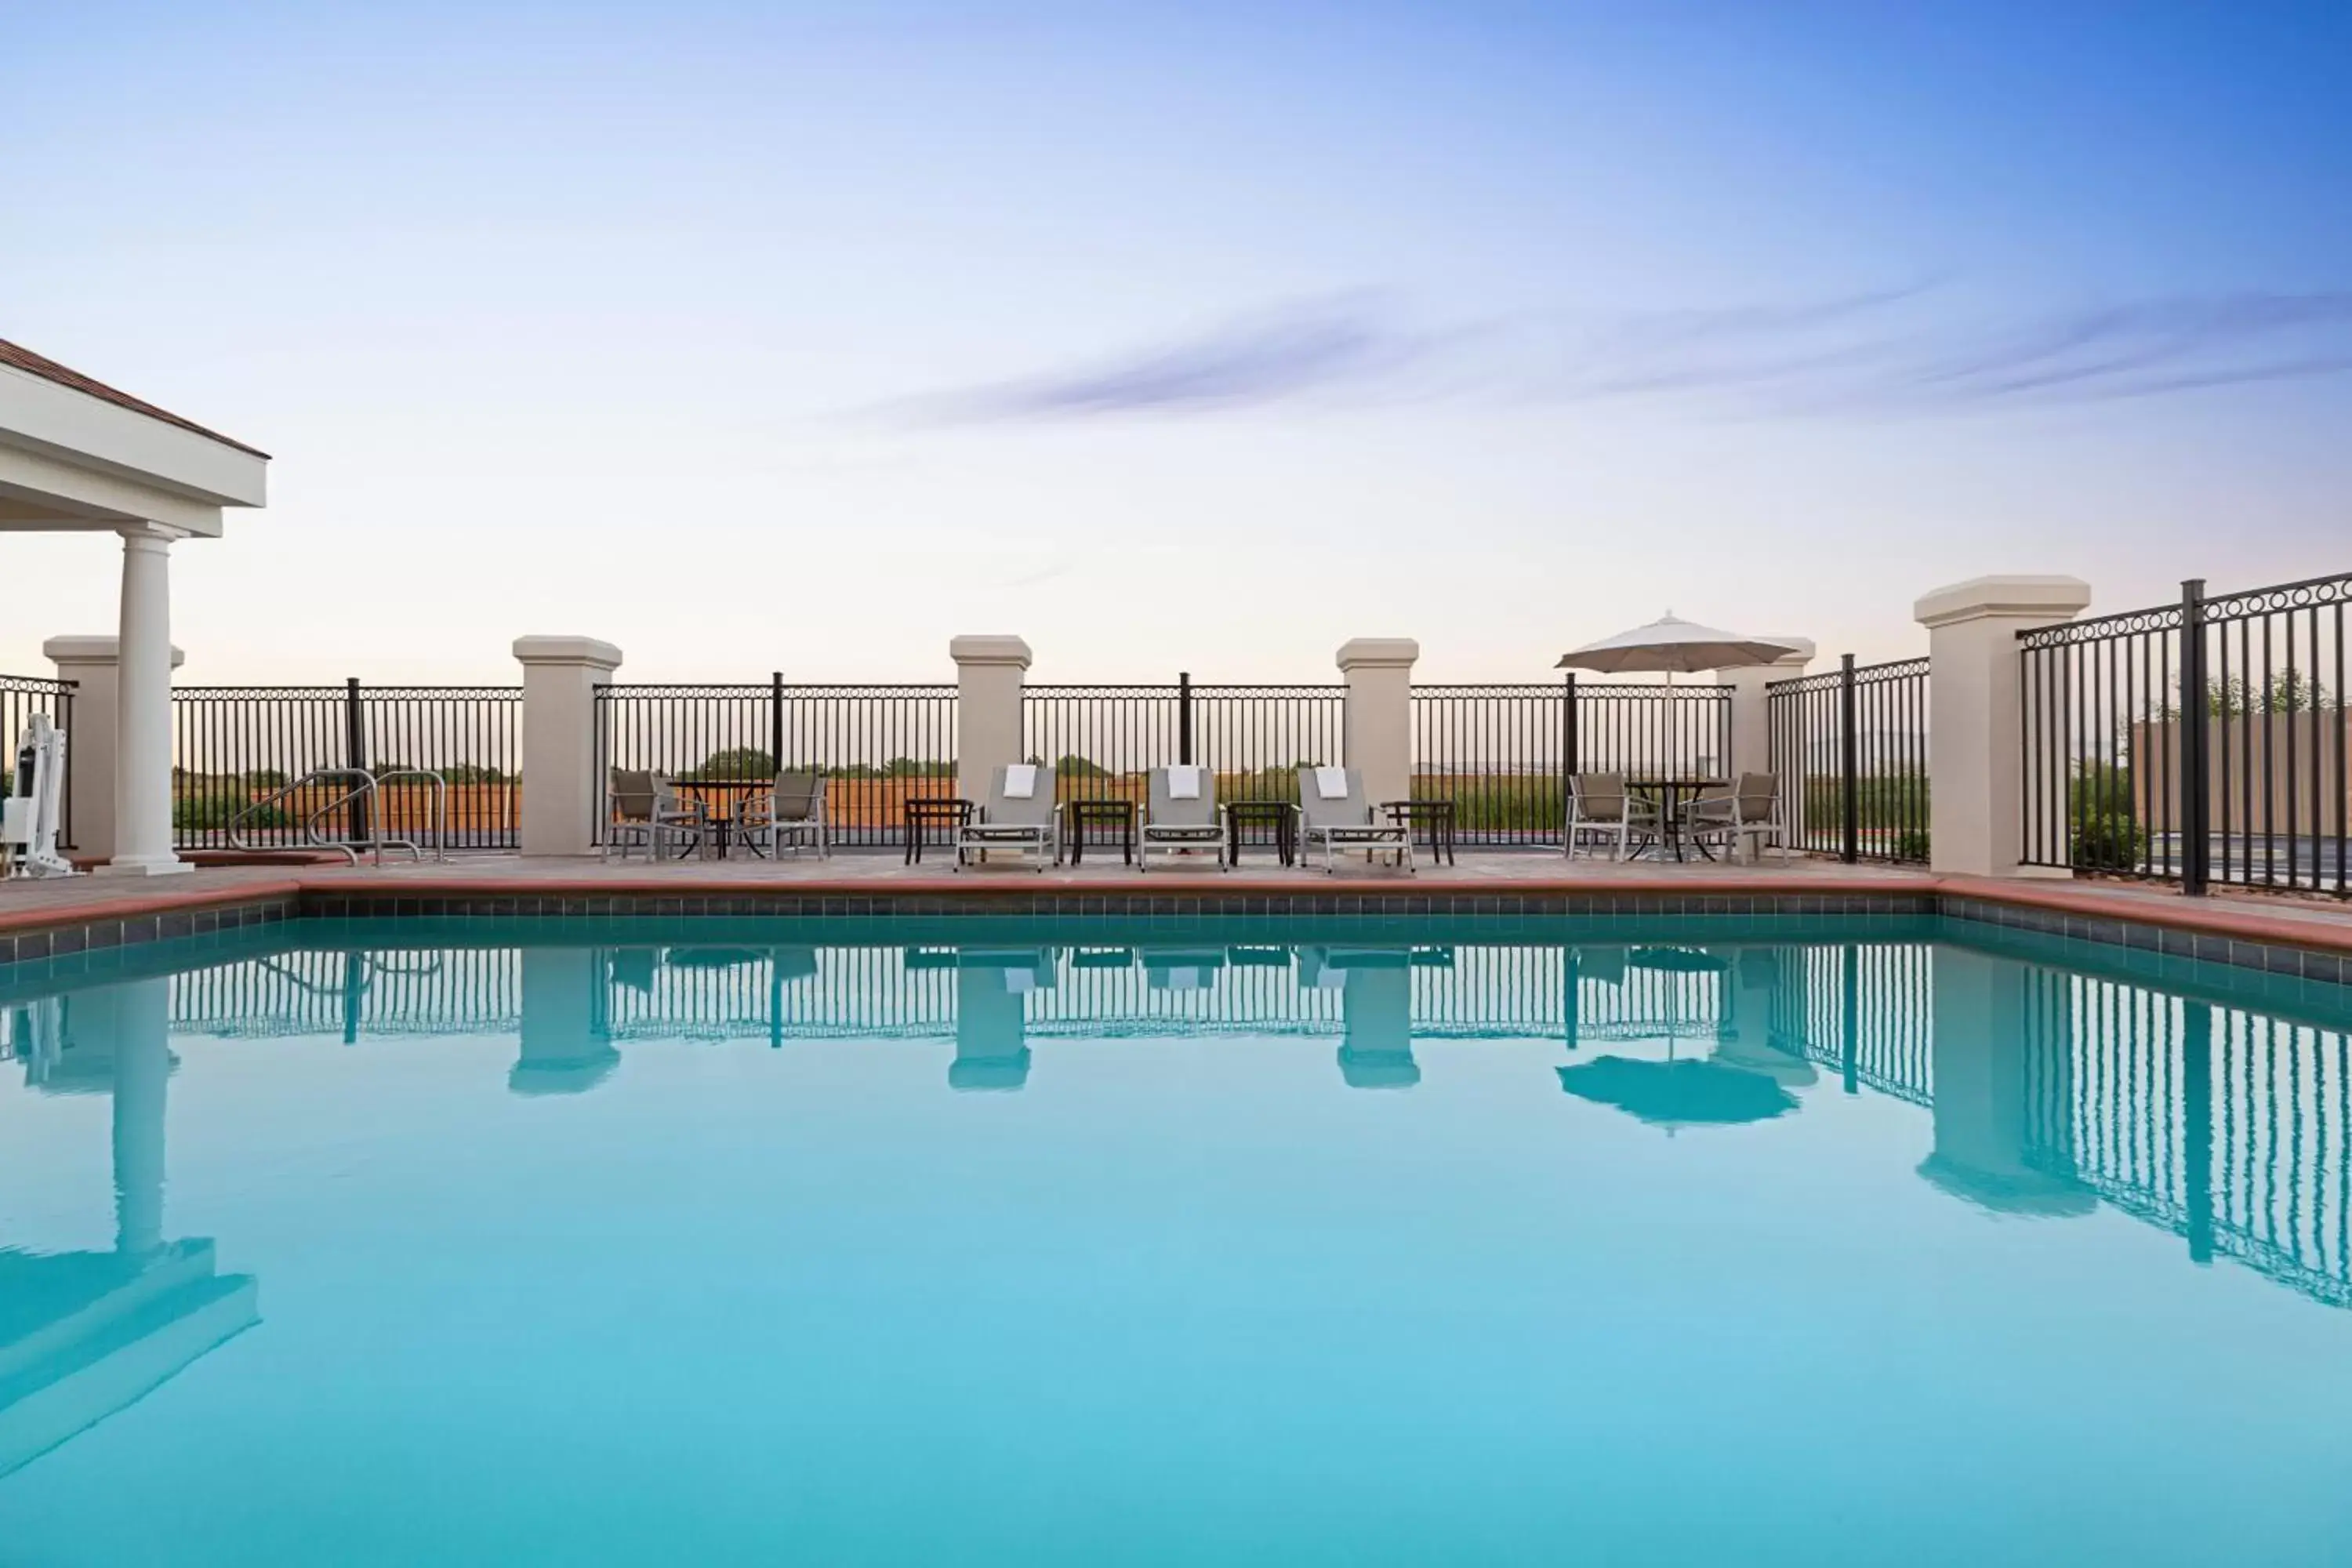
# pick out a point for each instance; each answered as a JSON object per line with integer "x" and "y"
{"x": 143, "y": 712}
{"x": 1976, "y": 745}
{"x": 563, "y": 789}
{"x": 1379, "y": 672}
{"x": 90, "y": 663}
{"x": 989, "y": 674}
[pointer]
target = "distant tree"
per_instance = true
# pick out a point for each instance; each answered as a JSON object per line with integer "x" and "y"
{"x": 1073, "y": 766}
{"x": 737, "y": 763}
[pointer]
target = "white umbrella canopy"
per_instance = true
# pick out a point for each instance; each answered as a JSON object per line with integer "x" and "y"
{"x": 1672, "y": 645}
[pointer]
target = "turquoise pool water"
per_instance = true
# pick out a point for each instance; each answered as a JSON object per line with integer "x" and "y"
{"x": 1706, "y": 1241}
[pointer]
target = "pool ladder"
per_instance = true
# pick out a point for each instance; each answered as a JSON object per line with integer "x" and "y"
{"x": 365, "y": 791}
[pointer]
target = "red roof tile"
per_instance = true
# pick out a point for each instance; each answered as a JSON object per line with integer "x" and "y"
{"x": 32, "y": 363}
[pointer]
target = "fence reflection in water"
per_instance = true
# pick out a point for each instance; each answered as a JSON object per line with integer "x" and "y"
{"x": 2229, "y": 1126}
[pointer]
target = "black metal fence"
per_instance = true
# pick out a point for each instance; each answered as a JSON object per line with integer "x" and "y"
{"x": 1103, "y": 741}
{"x": 2199, "y": 742}
{"x": 1503, "y": 753}
{"x": 1850, "y": 748}
{"x": 233, "y": 746}
{"x": 21, "y": 697}
{"x": 877, "y": 745}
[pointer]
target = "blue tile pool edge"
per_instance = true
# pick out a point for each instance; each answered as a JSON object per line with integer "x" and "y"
{"x": 69, "y": 945}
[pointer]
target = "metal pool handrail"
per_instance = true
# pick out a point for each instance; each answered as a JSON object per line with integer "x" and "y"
{"x": 365, "y": 790}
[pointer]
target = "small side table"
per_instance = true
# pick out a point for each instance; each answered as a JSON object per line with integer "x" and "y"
{"x": 1436, "y": 815}
{"x": 924, "y": 811}
{"x": 1280, "y": 813}
{"x": 1079, "y": 814}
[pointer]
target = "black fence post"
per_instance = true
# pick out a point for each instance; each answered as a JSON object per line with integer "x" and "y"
{"x": 776, "y": 719}
{"x": 354, "y": 757}
{"x": 1570, "y": 741}
{"x": 1849, "y": 792}
{"x": 2194, "y": 820}
{"x": 1184, "y": 718}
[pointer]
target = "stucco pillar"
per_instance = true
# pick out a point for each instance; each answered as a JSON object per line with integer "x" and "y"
{"x": 563, "y": 789}
{"x": 91, "y": 664}
{"x": 142, "y": 709}
{"x": 1976, "y": 745}
{"x": 1751, "y": 728}
{"x": 1379, "y": 672}
{"x": 989, "y": 674}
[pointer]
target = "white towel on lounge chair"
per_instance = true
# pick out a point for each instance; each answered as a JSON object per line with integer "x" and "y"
{"x": 1020, "y": 781}
{"x": 1331, "y": 783}
{"x": 1184, "y": 782}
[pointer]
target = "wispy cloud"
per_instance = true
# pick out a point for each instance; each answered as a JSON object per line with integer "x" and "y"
{"x": 1897, "y": 349}
{"x": 1279, "y": 355}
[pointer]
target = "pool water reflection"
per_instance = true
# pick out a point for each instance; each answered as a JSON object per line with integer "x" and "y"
{"x": 1691, "y": 1241}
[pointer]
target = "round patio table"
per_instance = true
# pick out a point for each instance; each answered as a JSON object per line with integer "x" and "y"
{"x": 1670, "y": 792}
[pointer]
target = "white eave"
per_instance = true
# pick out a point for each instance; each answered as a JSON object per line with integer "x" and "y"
{"x": 71, "y": 460}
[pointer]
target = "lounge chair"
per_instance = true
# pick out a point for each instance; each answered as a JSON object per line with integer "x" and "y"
{"x": 1182, "y": 816}
{"x": 1751, "y": 809}
{"x": 642, "y": 806}
{"x": 1332, "y": 812}
{"x": 1019, "y": 815}
{"x": 1599, "y": 802}
{"x": 791, "y": 814}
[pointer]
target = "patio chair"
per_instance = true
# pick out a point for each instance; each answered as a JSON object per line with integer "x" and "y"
{"x": 644, "y": 807}
{"x": 1018, "y": 815}
{"x": 1751, "y": 809}
{"x": 1599, "y": 802}
{"x": 1182, "y": 816}
{"x": 1332, "y": 812}
{"x": 791, "y": 814}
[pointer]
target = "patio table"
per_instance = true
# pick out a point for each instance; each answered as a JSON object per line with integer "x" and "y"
{"x": 1120, "y": 813}
{"x": 1670, "y": 791}
{"x": 723, "y": 824}
{"x": 1436, "y": 815}
{"x": 921, "y": 811}
{"x": 1280, "y": 813}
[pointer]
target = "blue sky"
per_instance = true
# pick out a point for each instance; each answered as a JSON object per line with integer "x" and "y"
{"x": 755, "y": 337}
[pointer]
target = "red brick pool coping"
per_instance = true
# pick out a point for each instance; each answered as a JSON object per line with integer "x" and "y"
{"x": 2315, "y": 926}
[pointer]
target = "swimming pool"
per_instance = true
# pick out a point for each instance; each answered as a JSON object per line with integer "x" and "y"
{"x": 1000, "y": 1240}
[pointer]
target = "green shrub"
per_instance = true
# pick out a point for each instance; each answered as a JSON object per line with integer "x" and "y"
{"x": 2108, "y": 841}
{"x": 1911, "y": 844}
{"x": 213, "y": 811}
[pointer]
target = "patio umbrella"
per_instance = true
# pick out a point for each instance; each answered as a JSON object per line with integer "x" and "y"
{"x": 1671, "y": 646}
